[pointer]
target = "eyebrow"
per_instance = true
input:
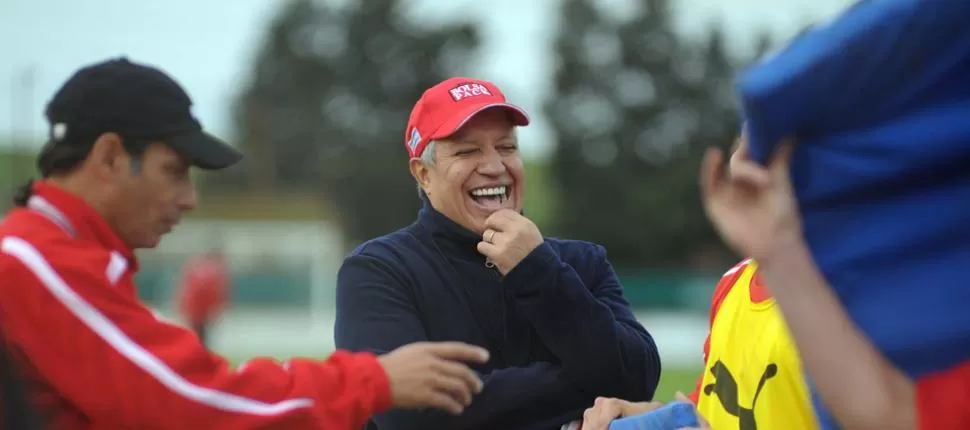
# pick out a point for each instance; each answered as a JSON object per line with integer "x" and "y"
{"x": 469, "y": 140}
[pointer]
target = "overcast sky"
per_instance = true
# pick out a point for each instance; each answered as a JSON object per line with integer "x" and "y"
{"x": 208, "y": 45}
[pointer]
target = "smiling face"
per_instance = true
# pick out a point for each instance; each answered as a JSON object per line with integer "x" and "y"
{"x": 477, "y": 171}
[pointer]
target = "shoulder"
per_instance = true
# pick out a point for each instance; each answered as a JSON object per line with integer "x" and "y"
{"x": 384, "y": 257}
{"x": 53, "y": 259}
{"x": 726, "y": 283}
{"x": 391, "y": 248}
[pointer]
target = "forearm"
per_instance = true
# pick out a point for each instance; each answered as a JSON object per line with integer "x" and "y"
{"x": 509, "y": 395}
{"x": 856, "y": 382}
{"x": 594, "y": 334}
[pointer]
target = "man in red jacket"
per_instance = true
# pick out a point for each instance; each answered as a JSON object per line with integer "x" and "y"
{"x": 116, "y": 178}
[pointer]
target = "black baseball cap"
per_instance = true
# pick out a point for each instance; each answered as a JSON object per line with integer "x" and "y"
{"x": 137, "y": 102}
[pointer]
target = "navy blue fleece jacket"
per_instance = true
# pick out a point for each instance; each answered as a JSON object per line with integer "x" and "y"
{"x": 558, "y": 327}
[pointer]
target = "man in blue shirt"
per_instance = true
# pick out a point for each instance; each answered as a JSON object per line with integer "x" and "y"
{"x": 878, "y": 101}
{"x": 473, "y": 268}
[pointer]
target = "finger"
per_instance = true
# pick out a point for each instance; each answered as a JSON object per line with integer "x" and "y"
{"x": 488, "y": 249}
{"x": 497, "y": 238}
{"x": 751, "y": 174}
{"x": 652, "y": 406}
{"x": 488, "y": 235}
{"x": 606, "y": 409}
{"x": 458, "y": 351}
{"x": 702, "y": 423}
{"x": 595, "y": 423}
{"x": 443, "y": 401}
{"x": 456, "y": 388}
{"x": 739, "y": 151}
{"x": 461, "y": 372}
{"x": 781, "y": 160}
{"x": 502, "y": 219}
{"x": 712, "y": 172}
{"x": 594, "y": 419}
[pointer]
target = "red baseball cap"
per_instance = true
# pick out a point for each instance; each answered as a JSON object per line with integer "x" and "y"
{"x": 445, "y": 107}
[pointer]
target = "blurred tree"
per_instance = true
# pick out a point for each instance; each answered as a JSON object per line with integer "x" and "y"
{"x": 328, "y": 101}
{"x": 634, "y": 108}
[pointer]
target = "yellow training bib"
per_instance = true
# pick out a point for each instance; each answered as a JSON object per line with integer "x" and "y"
{"x": 753, "y": 377}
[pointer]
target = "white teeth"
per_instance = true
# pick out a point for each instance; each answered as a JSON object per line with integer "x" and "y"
{"x": 494, "y": 191}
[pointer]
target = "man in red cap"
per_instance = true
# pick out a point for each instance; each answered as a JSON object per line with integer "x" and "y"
{"x": 473, "y": 268}
{"x": 116, "y": 178}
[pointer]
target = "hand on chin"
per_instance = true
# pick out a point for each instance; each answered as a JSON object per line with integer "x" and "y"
{"x": 508, "y": 238}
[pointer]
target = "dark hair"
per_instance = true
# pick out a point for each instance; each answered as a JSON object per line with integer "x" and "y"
{"x": 60, "y": 157}
{"x": 23, "y": 193}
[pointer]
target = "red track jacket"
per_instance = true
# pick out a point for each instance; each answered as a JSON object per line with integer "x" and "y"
{"x": 99, "y": 359}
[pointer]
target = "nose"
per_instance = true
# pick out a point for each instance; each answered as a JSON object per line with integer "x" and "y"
{"x": 188, "y": 198}
{"x": 491, "y": 164}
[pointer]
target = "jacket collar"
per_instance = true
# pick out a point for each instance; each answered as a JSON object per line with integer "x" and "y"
{"x": 78, "y": 219}
{"x": 440, "y": 225}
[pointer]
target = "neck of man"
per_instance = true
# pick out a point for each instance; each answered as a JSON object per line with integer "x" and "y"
{"x": 88, "y": 191}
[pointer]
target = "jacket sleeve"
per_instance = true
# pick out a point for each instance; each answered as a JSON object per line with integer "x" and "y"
{"x": 942, "y": 399}
{"x": 108, "y": 355}
{"x": 376, "y": 313}
{"x": 586, "y": 322}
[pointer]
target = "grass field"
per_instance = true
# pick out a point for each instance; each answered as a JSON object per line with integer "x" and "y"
{"x": 674, "y": 380}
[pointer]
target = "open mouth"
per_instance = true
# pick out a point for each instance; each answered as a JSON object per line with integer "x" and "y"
{"x": 491, "y": 198}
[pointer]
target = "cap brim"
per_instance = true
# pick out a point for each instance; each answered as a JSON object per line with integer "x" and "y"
{"x": 205, "y": 151}
{"x": 518, "y": 116}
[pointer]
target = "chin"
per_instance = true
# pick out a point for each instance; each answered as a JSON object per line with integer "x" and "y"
{"x": 149, "y": 243}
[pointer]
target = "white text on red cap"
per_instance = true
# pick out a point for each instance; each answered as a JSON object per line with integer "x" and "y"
{"x": 468, "y": 90}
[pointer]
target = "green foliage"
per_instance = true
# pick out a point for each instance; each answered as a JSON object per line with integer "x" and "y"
{"x": 634, "y": 109}
{"x": 328, "y": 103}
{"x": 542, "y": 196}
{"x": 16, "y": 166}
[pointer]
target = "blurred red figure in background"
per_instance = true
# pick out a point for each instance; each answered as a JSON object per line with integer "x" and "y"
{"x": 203, "y": 291}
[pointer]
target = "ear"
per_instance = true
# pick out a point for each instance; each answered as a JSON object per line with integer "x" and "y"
{"x": 421, "y": 172}
{"x": 108, "y": 156}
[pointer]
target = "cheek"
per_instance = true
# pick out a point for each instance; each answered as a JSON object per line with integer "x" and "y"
{"x": 457, "y": 175}
{"x": 516, "y": 170}
{"x": 156, "y": 196}
{"x": 132, "y": 209}
{"x": 144, "y": 205}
